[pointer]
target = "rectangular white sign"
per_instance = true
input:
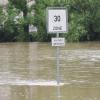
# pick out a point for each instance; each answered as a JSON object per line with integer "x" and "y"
{"x": 57, "y": 20}
{"x": 32, "y": 28}
{"x": 58, "y": 41}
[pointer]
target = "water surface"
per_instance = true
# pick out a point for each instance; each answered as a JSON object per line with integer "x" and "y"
{"x": 28, "y": 71}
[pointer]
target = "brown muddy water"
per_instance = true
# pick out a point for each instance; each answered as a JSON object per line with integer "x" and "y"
{"x": 28, "y": 71}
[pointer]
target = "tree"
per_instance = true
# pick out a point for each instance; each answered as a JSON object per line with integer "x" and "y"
{"x": 22, "y": 6}
{"x": 2, "y": 18}
{"x": 87, "y": 13}
{"x": 77, "y": 29}
{"x": 10, "y": 28}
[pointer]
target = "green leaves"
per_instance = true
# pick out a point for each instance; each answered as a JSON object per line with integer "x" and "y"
{"x": 83, "y": 17}
{"x": 19, "y": 4}
{"x": 2, "y": 16}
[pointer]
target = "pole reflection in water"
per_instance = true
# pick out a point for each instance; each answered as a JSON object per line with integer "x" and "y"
{"x": 58, "y": 93}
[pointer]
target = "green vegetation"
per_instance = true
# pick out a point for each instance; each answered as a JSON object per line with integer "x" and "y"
{"x": 84, "y": 20}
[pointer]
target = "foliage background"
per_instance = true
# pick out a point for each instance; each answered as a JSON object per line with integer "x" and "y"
{"x": 83, "y": 18}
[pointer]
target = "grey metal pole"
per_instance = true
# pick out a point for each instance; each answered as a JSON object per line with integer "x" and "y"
{"x": 58, "y": 67}
{"x": 58, "y": 70}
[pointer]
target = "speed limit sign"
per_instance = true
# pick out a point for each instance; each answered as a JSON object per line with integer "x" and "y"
{"x": 57, "y": 20}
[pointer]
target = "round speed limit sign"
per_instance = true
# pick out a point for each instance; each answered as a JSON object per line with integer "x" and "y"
{"x": 57, "y": 20}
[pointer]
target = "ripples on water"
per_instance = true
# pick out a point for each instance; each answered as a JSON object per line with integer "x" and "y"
{"x": 31, "y": 82}
{"x": 34, "y": 65}
{"x": 83, "y": 65}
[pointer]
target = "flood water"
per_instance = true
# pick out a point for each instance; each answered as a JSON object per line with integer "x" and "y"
{"x": 28, "y": 71}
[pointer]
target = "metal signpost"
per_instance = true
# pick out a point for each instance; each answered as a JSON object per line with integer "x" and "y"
{"x": 57, "y": 22}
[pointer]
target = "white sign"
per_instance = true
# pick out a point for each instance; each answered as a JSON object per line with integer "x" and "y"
{"x": 58, "y": 41}
{"x": 32, "y": 28}
{"x": 57, "y": 20}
